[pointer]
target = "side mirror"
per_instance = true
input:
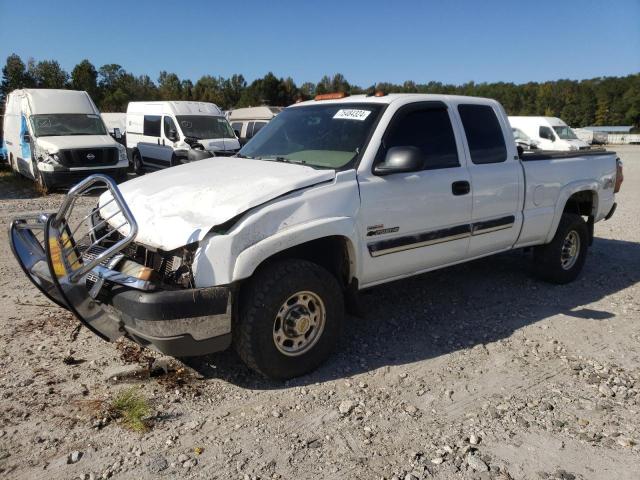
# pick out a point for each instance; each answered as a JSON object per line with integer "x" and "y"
{"x": 26, "y": 138}
{"x": 173, "y": 135}
{"x": 116, "y": 133}
{"x": 520, "y": 149}
{"x": 400, "y": 160}
{"x": 237, "y": 132}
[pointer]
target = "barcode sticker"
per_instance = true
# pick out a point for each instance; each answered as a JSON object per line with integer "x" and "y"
{"x": 352, "y": 114}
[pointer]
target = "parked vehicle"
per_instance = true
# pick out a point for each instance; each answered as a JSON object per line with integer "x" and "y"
{"x": 551, "y": 133}
{"x": 57, "y": 137}
{"x": 523, "y": 140}
{"x": 247, "y": 122}
{"x": 590, "y": 136}
{"x": 3, "y": 146}
{"x": 116, "y": 123}
{"x": 334, "y": 196}
{"x": 164, "y": 134}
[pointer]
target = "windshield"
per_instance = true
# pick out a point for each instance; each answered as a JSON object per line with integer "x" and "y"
{"x": 565, "y": 133}
{"x": 205, "y": 126}
{"x": 520, "y": 135}
{"x": 63, "y": 124}
{"x": 328, "y": 136}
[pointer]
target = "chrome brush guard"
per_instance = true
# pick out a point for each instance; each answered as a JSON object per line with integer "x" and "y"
{"x": 59, "y": 254}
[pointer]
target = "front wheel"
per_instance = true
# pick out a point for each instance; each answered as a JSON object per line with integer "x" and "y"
{"x": 561, "y": 260}
{"x": 290, "y": 318}
{"x": 138, "y": 168}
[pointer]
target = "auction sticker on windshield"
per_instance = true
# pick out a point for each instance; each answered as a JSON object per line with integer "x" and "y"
{"x": 352, "y": 114}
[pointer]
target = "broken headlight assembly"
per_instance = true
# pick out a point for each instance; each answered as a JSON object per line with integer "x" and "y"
{"x": 166, "y": 270}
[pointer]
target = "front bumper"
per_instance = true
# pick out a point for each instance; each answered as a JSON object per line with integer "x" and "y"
{"x": 63, "y": 177}
{"x": 182, "y": 322}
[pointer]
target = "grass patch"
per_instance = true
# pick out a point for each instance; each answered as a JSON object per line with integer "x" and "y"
{"x": 132, "y": 408}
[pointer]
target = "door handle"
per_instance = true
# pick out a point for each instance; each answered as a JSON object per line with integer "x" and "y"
{"x": 461, "y": 187}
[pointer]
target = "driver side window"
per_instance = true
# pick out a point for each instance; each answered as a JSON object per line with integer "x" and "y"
{"x": 430, "y": 130}
{"x": 169, "y": 125}
{"x": 546, "y": 133}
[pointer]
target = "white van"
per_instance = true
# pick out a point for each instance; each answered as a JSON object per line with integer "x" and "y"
{"x": 246, "y": 122}
{"x": 551, "y": 133}
{"x": 57, "y": 138}
{"x": 163, "y": 134}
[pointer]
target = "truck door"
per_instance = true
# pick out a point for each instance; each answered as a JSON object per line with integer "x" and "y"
{"x": 496, "y": 180}
{"x": 418, "y": 220}
{"x": 169, "y": 129}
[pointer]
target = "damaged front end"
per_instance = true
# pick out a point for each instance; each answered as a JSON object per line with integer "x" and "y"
{"x": 92, "y": 267}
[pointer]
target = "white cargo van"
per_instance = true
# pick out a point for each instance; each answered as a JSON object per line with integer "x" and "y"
{"x": 246, "y": 122}
{"x": 57, "y": 138}
{"x": 163, "y": 134}
{"x": 551, "y": 133}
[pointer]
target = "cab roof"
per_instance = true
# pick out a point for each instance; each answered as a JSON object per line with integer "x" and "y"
{"x": 394, "y": 97}
{"x": 174, "y": 107}
{"x": 43, "y": 101}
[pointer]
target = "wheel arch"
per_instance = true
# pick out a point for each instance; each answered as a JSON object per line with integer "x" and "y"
{"x": 329, "y": 243}
{"x": 580, "y": 198}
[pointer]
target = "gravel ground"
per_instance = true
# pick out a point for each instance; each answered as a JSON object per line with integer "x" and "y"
{"x": 477, "y": 371}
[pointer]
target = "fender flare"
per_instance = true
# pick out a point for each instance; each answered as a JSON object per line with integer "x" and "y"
{"x": 248, "y": 261}
{"x": 564, "y": 195}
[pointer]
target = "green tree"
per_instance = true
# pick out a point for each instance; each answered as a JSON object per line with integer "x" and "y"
{"x": 49, "y": 74}
{"x": 84, "y": 76}
{"x": 14, "y": 76}
{"x": 169, "y": 86}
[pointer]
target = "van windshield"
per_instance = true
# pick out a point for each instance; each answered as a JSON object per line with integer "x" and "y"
{"x": 325, "y": 136}
{"x": 565, "y": 133}
{"x": 205, "y": 126}
{"x": 65, "y": 124}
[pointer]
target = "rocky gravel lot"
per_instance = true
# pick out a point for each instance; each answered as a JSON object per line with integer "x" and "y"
{"x": 479, "y": 371}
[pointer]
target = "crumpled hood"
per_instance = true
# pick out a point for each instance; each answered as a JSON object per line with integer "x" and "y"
{"x": 179, "y": 205}
{"x": 64, "y": 142}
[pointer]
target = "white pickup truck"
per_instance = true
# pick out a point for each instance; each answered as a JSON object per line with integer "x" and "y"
{"x": 264, "y": 250}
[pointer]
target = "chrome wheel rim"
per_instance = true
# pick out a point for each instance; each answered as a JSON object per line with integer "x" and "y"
{"x": 299, "y": 323}
{"x": 570, "y": 250}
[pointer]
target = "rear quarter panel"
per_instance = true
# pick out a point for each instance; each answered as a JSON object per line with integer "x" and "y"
{"x": 550, "y": 183}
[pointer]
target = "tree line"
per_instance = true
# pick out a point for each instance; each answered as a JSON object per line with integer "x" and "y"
{"x": 597, "y": 101}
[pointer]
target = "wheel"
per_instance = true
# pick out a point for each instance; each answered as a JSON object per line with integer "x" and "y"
{"x": 290, "y": 318}
{"x": 138, "y": 168}
{"x": 41, "y": 182}
{"x": 562, "y": 260}
{"x": 14, "y": 166}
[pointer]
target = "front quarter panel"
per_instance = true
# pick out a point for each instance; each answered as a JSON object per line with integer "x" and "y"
{"x": 327, "y": 209}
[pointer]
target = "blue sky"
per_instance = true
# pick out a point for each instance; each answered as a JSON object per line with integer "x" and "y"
{"x": 370, "y": 41}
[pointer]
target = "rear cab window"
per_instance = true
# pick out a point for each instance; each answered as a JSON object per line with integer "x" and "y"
{"x": 484, "y": 133}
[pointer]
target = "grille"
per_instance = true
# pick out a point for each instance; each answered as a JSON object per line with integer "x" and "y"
{"x": 78, "y": 157}
{"x": 224, "y": 153}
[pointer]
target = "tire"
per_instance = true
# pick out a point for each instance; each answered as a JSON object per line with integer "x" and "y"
{"x": 272, "y": 307}
{"x": 561, "y": 261}
{"x": 41, "y": 183}
{"x": 138, "y": 168}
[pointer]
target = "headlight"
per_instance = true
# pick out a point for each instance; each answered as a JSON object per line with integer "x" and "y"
{"x": 45, "y": 156}
{"x": 122, "y": 153}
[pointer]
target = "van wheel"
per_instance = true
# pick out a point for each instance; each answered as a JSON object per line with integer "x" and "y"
{"x": 562, "y": 260}
{"x": 290, "y": 319}
{"x": 138, "y": 168}
{"x": 41, "y": 182}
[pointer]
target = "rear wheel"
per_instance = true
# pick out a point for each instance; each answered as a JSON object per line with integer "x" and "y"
{"x": 561, "y": 260}
{"x": 138, "y": 168}
{"x": 290, "y": 318}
